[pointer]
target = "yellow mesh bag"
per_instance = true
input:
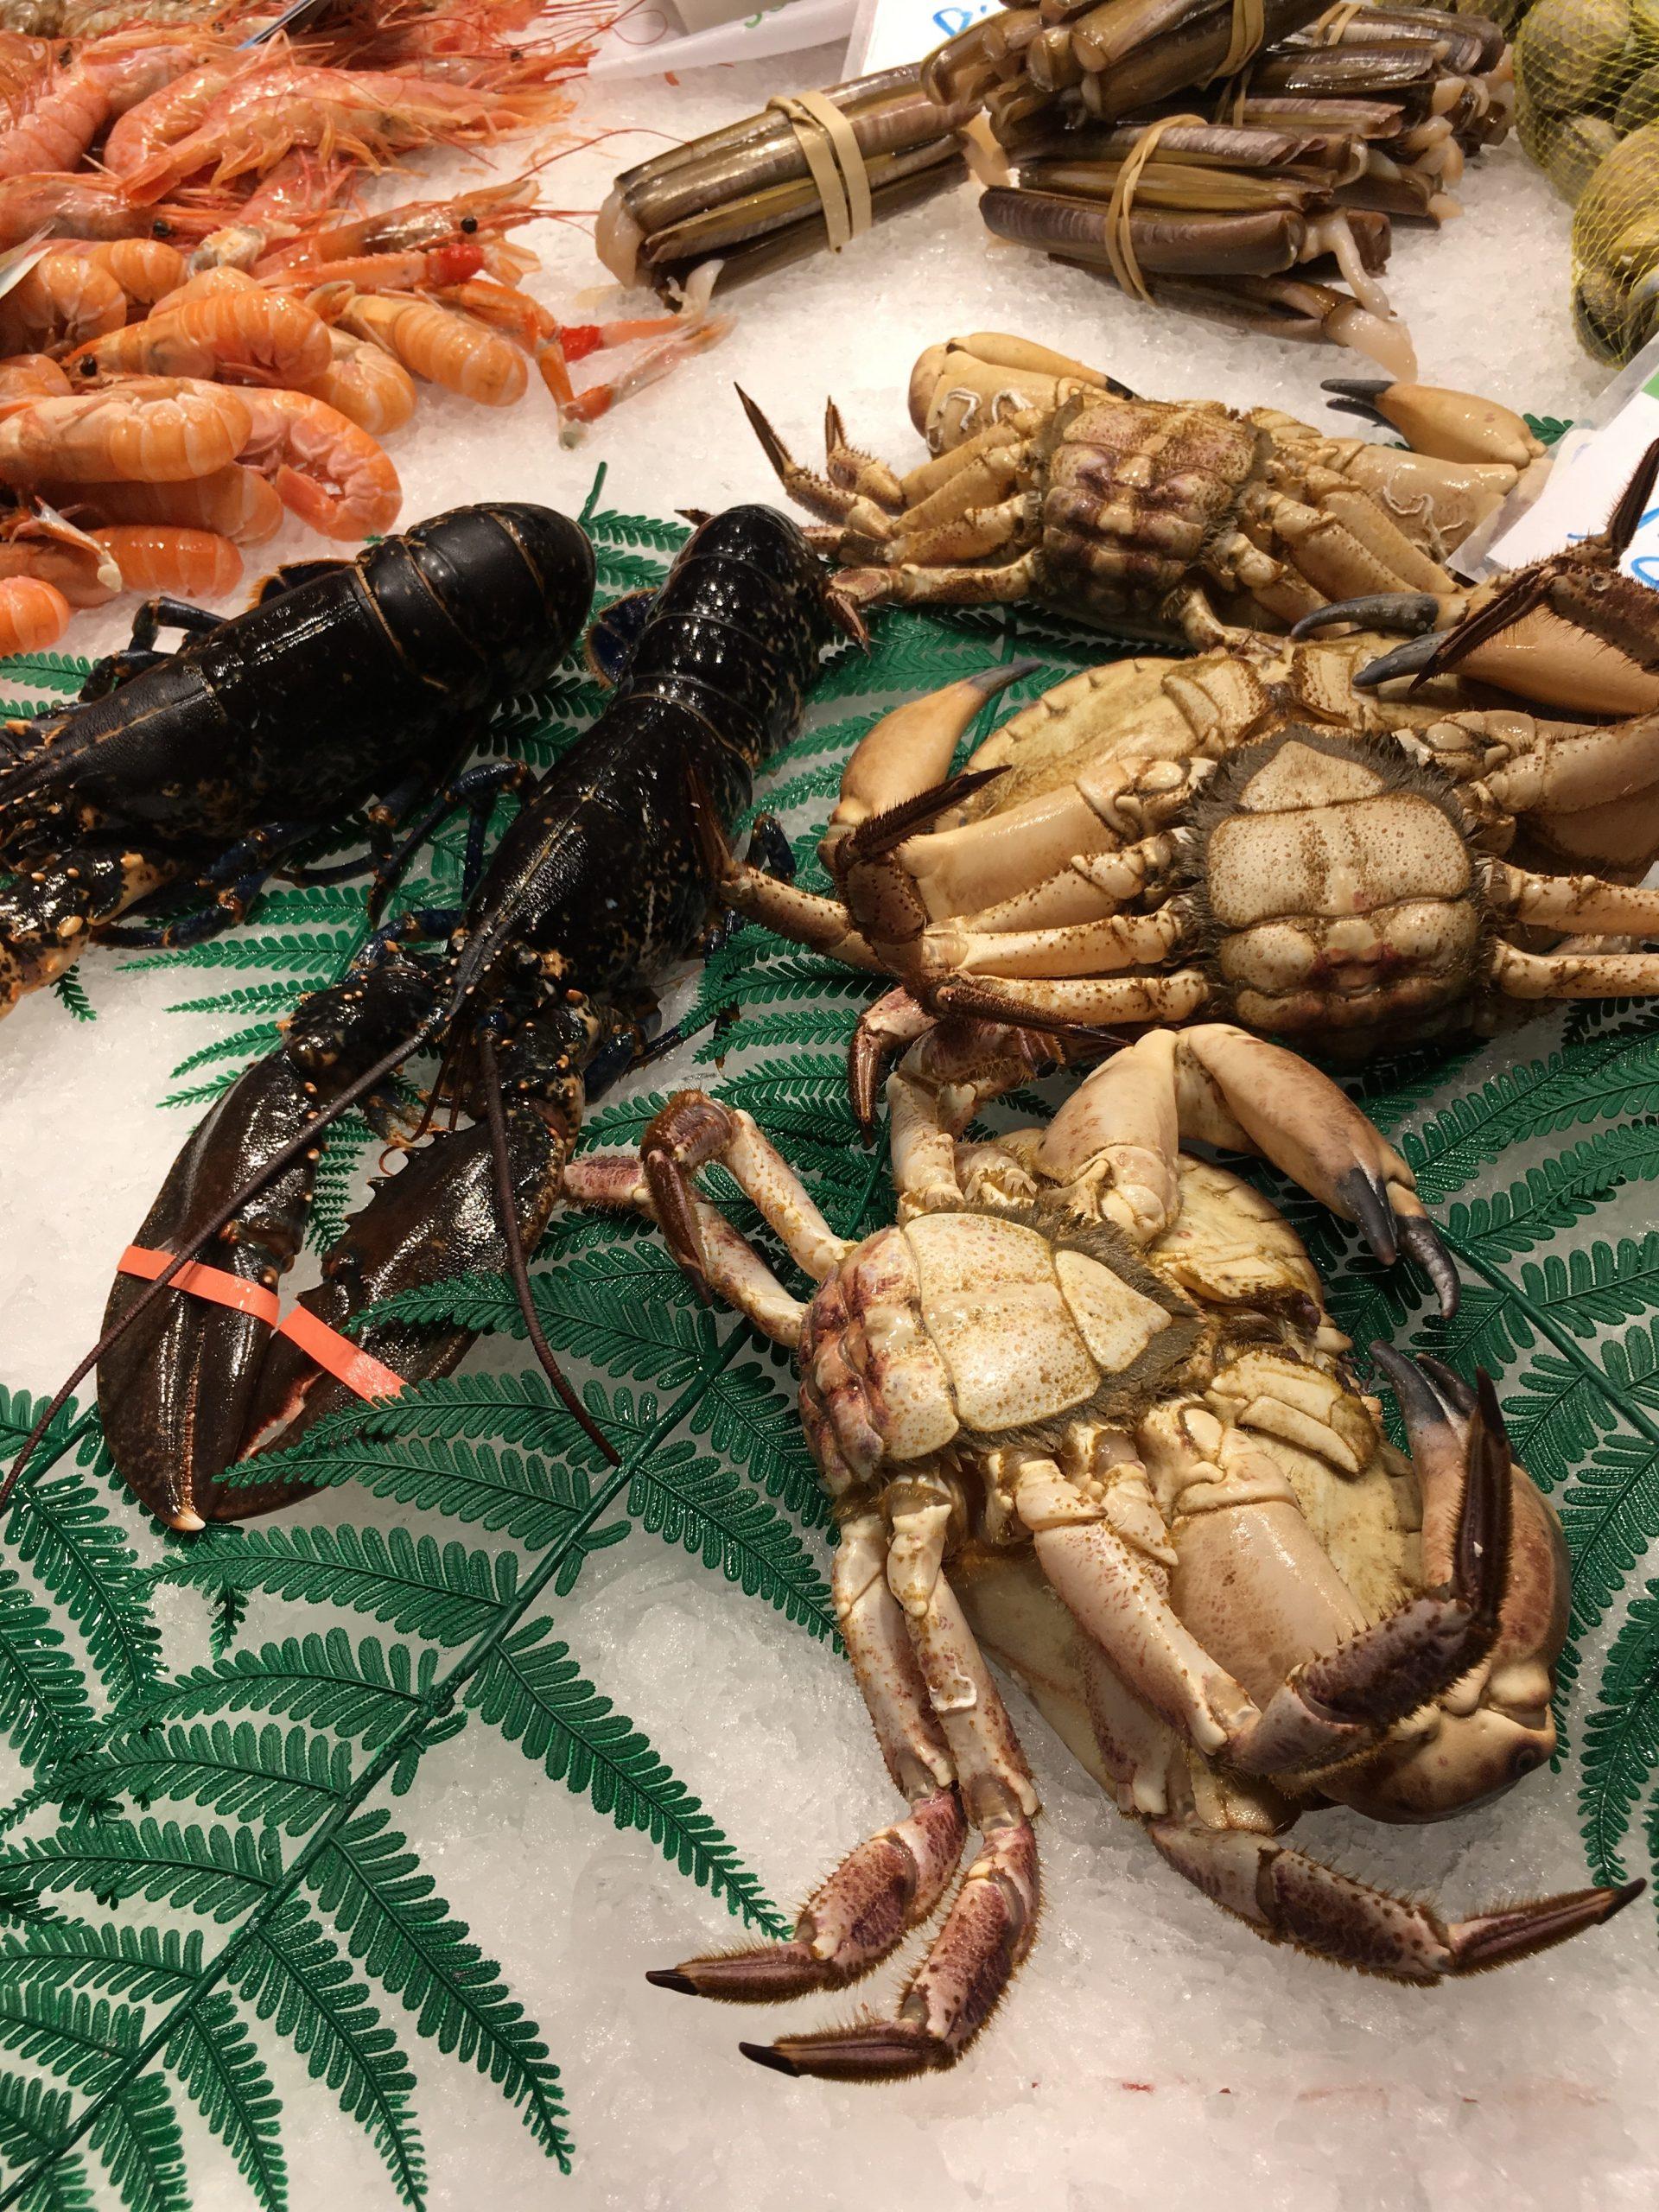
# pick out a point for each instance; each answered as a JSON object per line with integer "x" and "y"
{"x": 1615, "y": 250}
{"x": 1587, "y": 75}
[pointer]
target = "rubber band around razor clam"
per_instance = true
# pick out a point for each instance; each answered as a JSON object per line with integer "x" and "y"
{"x": 1120, "y": 245}
{"x": 1245, "y": 41}
{"x": 829, "y": 147}
{"x": 1332, "y": 26}
{"x": 337, "y": 1354}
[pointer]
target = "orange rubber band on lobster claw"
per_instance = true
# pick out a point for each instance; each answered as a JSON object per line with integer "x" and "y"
{"x": 347, "y": 1362}
{"x": 338, "y": 1356}
{"x": 216, "y": 1285}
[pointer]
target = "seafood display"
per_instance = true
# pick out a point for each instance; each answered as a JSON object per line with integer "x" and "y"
{"x": 1016, "y": 1388}
{"x": 1052, "y": 481}
{"x": 197, "y": 334}
{"x": 205, "y": 769}
{"x": 1081, "y": 1406}
{"x": 535, "y": 997}
{"x": 1273, "y": 212}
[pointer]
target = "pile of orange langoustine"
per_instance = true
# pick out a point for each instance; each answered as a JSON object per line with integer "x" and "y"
{"x": 198, "y": 335}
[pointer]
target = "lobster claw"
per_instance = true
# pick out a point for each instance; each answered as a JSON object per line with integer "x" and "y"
{"x": 437, "y": 1218}
{"x": 177, "y": 1388}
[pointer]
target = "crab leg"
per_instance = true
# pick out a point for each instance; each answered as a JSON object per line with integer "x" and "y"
{"x": 953, "y": 1068}
{"x": 1083, "y": 950}
{"x": 892, "y": 1883}
{"x": 1291, "y": 1899}
{"x": 803, "y": 916}
{"x": 1569, "y": 774}
{"x": 693, "y": 1129}
{"x": 615, "y": 1182}
{"x": 909, "y": 585}
{"x": 1574, "y": 974}
{"x": 1091, "y": 885}
{"x": 1575, "y": 902}
{"x": 893, "y": 1023}
{"x": 989, "y": 1928}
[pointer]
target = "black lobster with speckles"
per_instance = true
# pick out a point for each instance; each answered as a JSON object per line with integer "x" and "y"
{"x": 535, "y": 999}
{"x": 208, "y": 767}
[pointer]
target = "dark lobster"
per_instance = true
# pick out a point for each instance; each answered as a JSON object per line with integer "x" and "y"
{"x": 345, "y": 680}
{"x": 534, "y": 1001}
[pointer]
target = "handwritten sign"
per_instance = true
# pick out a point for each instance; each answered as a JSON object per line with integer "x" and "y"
{"x": 893, "y": 32}
{"x": 1591, "y": 470}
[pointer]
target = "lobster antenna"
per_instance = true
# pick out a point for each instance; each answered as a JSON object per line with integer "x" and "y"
{"x": 518, "y": 1267}
{"x": 280, "y": 1159}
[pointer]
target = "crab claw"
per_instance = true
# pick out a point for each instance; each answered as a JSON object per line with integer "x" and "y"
{"x": 1410, "y": 612}
{"x": 1345, "y": 1700}
{"x": 1434, "y": 419}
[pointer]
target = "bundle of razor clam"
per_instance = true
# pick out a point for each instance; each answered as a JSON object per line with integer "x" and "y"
{"x": 806, "y": 174}
{"x": 1272, "y": 211}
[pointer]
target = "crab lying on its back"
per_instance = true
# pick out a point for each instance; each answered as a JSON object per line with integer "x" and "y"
{"x": 1083, "y": 1405}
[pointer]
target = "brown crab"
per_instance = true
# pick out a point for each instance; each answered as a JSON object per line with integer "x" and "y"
{"x": 1052, "y": 481}
{"x": 1253, "y": 834}
{"x": 1083, "y": 1406}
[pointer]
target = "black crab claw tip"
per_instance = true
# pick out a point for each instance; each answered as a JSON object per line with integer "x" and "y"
{"x": 1421, "y": 1241}
{"x": 1367, "y": 1199}
{"x": 1409, "y": 612}
{"x": 1416, "y": 657}
{"x": 1419, "y": 1401}
{"x": 1450, "y": 1384}
{"x": 670, "y": 1978}
{"x": 1481, "y": 1558}
{"x": 766, "y": 2054}
{"x": 1357, "y": 396}
{"x": 1000, "y": 674}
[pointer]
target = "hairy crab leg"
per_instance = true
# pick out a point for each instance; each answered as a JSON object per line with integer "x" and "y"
{"x": 913, "y": 1656}
{"x": 1291, "y": 1899}
{"x": 989, "y": 1928}
{"x": 692, "y": 1130}
{"x": 895, "y": 1881}
{"x": 1574, "y": 902}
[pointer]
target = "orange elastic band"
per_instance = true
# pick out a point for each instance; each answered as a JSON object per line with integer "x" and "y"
{"x": 212, "y": 1283}
{"x": 347, "y": 1362}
